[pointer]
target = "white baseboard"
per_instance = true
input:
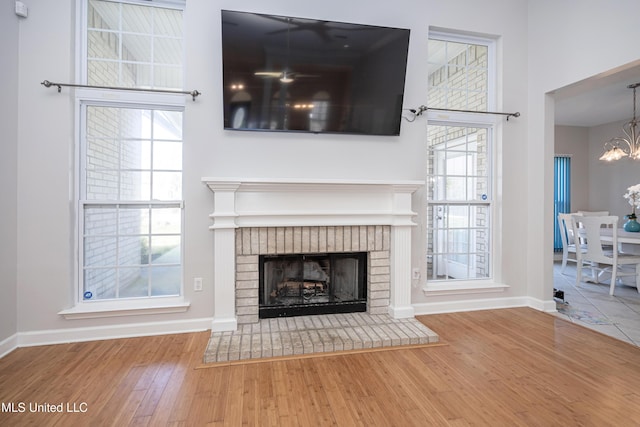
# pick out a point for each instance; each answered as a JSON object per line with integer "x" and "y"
{"x": 60, "y": 336}
{"x": 8, "y": 345}
{"x": 482, "y": 304}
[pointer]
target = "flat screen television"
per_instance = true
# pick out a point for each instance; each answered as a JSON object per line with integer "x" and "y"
{"x": 283, "y": 73}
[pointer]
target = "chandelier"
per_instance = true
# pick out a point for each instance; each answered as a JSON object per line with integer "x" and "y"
{"x": 628, "y": 145}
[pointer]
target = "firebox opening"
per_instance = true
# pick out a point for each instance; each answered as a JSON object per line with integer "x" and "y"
{"x": 305, "y": 284}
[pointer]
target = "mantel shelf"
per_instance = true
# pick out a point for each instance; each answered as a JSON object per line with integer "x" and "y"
{"x": 287, "y": 184}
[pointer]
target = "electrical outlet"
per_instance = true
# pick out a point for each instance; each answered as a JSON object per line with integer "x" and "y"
{"x": 197, "y": 284}
{"x": 416, "y": 273}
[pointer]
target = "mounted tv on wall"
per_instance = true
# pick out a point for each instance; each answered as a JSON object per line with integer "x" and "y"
{"x": 283, "y": 73}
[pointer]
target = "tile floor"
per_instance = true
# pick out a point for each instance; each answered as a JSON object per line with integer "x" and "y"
{"x": 591, "y": 305}
{"x": 286, "y": 336}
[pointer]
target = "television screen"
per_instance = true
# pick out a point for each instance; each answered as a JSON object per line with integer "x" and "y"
{"x": 294, "y": 74}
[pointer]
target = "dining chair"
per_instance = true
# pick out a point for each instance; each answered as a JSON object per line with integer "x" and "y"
{"x": 596, "y": 252}
{"x": 568, "y": 241}
{"x": 593, "y": 213}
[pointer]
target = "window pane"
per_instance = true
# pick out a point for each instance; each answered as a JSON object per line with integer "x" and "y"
{"x": 458, "y": 216}
{"x": 167, "y": 51}
{"x": 134, "y": 37}
{"x": 133, "y": 220}
{"x": 137, "y": 75}
{"x": 102, "y": 122}
{"x": 102, "y": 153}
{"x": 99, "y": 283}
{"x": 133, "y": 282}
{"x": 167, "y": 22}
{"x": 135, "y": 154}
{"x": 135, "y": 186}
{"x": 133, "y": 250}
{"x": 102, "y": 185}
{"x": 103, "y": 73}
{"x": 165, "y": 280}
{"x": 166, "y": 220}
{"x": 167, "y": 125}
{"x": 456, "y": 188}
{"x": 167, "y": 155}
{"x": 100, "y": 251}
{"x": 136, "y": 48}
{"x": 458, "y": 75}
{"x": 103, "y": 14}
{"x": 165, "y": 250}
{"x": 97, "y": 38}
{"x": 134, "y": 123}
{"x": 167, "y": 76}
{"x": 100, "y": 221}
{"x": 167, "y": 185}
{"x": 136, "y": 19}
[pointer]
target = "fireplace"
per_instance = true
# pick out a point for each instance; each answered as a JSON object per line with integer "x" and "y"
{"x": 305, "y": 284}
{"x": 255, "y": 219}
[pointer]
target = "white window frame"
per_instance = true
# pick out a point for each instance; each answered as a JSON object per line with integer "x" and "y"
{"x": 84, "y": 97}
{"x": 492, "y": 124}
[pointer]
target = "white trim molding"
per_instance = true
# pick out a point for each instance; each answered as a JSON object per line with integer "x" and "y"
{"x": 67, "y": 335}
{"x": 466, "y": 288}
{"x": 470, "y": 305}
{"x": 8, "y": 345}
{"x": 134, "y": 307}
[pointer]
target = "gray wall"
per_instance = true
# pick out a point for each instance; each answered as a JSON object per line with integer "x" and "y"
{"x": 574, "y": 141}
{"x": 9, "y": 23}
{"x": 46, "y": 142}
{"x": 608, "y": 182}
{"x": 596, "y": 185}
{"x": 536, "y": 53}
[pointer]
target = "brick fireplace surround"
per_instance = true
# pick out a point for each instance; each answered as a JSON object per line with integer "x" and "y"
{"x": 255, "y": 217}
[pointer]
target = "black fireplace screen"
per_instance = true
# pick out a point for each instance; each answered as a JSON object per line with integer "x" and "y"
{"x": 293, "y": 285}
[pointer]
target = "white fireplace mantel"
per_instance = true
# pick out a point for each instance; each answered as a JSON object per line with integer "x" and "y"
{"x": 288, "y": 202}
{"x": 309, "y": 202}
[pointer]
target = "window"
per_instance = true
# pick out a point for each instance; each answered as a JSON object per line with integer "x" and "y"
{"x": 133, "y": 45}
{"x": 561, "y": 195}
{"x": 130, "y": 152}
{"x": 460, "y": 160}
{"x": 132, "y": 191}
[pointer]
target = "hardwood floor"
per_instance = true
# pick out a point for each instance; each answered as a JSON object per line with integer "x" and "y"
{"x": 499, "y": 367}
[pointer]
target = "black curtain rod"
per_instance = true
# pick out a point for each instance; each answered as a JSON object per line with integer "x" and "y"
{"x": 424, "y": 108}
{"x": 193, "y": 93}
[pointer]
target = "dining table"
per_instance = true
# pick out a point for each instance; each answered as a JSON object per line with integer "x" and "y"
{"x": 606, "y": 235}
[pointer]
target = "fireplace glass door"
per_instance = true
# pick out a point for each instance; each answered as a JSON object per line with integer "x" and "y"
{"x": 294, "y": 285}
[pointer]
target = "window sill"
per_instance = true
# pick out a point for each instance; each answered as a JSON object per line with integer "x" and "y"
{"x": 463, "y": 288}
{"x": 94, "y": 310}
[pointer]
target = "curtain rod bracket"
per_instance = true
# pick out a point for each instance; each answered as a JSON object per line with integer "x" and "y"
{"x": 47, "y": 83}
